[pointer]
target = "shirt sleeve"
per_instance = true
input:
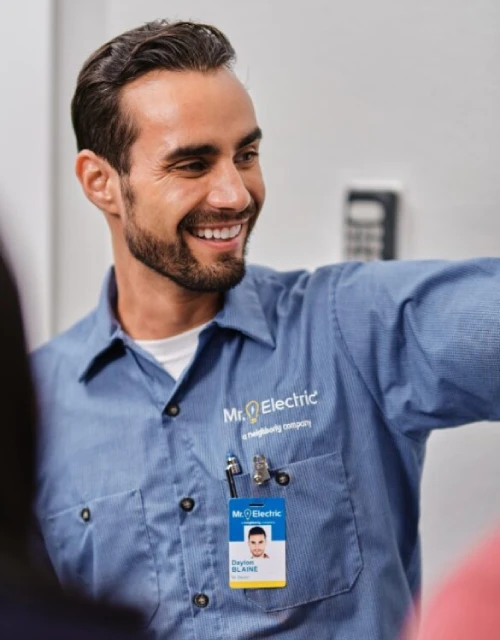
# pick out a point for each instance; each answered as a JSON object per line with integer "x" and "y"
{"x": 425, "y": 339}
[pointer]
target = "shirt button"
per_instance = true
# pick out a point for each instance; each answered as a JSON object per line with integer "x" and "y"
{"x": 187, "y": 504}
{"x": 85, "y": 514}
{"x": 201, "y": 600}
{"x": 173, "y": 410}
{"x": 282, "y": 478}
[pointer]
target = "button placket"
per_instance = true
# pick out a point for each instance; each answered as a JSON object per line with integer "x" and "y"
{"x": 187, "y": 504}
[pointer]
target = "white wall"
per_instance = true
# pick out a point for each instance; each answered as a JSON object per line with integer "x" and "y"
{"x": 26, "y": 157}
{"x": 344, "y": 91}
{"x": 82, "y": 251}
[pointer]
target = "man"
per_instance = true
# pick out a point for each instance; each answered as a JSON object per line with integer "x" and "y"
{"x": 257, "y": 542}
{"x": 336, "y": 377}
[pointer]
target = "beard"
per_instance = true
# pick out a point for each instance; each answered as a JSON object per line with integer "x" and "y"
{"x": 175, "y": 260}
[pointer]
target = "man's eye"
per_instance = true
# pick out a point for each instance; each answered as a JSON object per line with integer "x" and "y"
{"x": 196, "y": 166}
{"x": 247, "y": 157}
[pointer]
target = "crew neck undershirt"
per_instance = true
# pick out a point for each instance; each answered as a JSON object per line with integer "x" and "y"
{"x": 174, "y": 353}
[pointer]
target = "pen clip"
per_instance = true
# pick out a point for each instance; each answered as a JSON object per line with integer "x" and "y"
{"x": 233, "y": 468}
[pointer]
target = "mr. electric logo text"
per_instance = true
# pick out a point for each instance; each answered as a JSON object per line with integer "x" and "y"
{"x": 254, "y": 409}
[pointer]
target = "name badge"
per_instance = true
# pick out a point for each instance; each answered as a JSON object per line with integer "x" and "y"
{"x": 257, "y": 558}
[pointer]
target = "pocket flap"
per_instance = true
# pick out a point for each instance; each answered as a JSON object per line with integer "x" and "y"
{"x": 104, "y": 545}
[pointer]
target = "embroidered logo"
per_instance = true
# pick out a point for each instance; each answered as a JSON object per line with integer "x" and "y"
{"x": 254, "y": 409}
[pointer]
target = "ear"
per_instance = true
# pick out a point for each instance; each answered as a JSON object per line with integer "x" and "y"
{"x": 100, "y": 182}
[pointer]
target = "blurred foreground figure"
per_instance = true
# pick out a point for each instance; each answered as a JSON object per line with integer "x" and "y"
{"x": 467, "y": 606}
{"x": 31, "y": 606}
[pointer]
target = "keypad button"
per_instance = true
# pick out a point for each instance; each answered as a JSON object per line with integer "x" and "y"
{"x": 173, "y": 410}
{"x": 201, "y": 600}
{"x": 187, "y": 504}
{"x": 282, "y": 478}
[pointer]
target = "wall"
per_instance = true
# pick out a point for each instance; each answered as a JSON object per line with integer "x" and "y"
{"x": 26, "y": 158}
{"x": 82, "y": 251}
{"x": 344, "y": 91}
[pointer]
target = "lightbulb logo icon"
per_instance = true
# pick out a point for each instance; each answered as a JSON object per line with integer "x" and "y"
{"x": 247, "y": 513}
{"x": 252, "y": 410}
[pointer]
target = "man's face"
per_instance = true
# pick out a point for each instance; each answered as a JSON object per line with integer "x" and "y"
{"x": 195, "y": 187}
{"x": 257, "y": 544}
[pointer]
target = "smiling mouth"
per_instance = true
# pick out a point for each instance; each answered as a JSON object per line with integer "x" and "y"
{"x": 217, "y": 233}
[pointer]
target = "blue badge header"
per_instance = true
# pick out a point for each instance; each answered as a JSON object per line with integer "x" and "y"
{"x": 245, "y": 512}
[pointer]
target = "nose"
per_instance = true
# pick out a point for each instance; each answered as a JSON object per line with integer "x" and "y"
{"x": 227, "y": 189}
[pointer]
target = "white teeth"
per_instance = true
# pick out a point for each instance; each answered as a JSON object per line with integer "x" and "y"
{"x": 219, "y": 234}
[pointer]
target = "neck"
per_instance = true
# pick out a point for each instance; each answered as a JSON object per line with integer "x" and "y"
{"x": 152, "y": 307}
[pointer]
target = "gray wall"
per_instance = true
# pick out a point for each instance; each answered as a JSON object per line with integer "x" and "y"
{"x": 26, "y": 156}
{"x": 345, "y": 92}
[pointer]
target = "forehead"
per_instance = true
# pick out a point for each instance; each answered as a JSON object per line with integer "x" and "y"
{"x": 173, "y": 108}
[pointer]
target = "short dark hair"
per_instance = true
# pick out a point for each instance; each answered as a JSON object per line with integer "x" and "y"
{"x": 98, "y": 122}
{"x": 256, "y": 531}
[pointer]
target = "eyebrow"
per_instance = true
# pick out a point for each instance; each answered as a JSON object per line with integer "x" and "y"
{"x": 253, "y": 136}
{"x": 191, "y": 150}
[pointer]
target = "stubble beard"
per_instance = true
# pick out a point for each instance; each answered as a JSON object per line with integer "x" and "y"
{"x": 174, "y": 260}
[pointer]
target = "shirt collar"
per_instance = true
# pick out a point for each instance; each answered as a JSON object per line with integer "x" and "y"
{"x": 105, "y": 331}
{"x": 242, "y": 311}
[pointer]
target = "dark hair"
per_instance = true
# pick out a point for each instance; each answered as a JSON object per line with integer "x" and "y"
{"x": 98, "y": 122}
{"x": 18, "y": 424}
{"x": 256, "y": 531}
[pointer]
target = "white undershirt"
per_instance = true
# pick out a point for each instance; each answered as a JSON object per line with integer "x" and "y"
{"x": 175, "y": 353}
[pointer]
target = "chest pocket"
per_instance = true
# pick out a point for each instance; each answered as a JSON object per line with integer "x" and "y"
{"x": 104, "y": 546}
{"x": 323, "y": 557}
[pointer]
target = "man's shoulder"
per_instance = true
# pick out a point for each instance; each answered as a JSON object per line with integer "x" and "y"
{"x": 64, "y": 351}
{"x": 267, "y": 277}
{"x": 289, "y": 293}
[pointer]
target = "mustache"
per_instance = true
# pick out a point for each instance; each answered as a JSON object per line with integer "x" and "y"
{"x": 200, "y": 217}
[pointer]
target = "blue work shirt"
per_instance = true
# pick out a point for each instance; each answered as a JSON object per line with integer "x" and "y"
{"x": 349, "y": 369}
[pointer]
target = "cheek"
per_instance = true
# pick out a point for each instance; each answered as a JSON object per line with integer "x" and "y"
{"x": 178, "y": 199}
{"x": 256, "y": 187}
{"x": 157, "y": 211}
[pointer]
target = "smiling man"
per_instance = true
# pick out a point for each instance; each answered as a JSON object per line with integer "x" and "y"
{"x": 157, "y": 407}
{"x": 185, "y": 190}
